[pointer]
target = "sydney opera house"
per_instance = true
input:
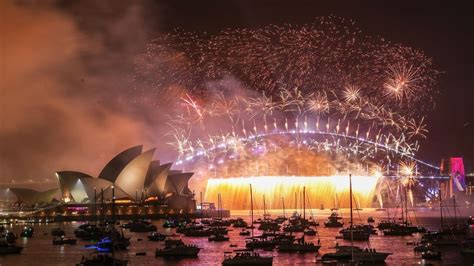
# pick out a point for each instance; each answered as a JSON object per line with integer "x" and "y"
{"x": 134, "y": 176}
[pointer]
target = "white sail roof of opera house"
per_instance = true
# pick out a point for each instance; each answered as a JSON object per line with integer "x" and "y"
{"x": 31, "y": 196}
{"x": 131, "y": 172}
{"x": 113, "y": 168}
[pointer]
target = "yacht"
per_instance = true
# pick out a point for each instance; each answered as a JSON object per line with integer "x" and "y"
{"x": 178, "y": 250}
{"x": 355, "y": 254}
{"x": 155, "y": 236}
{"x": 218, "y": 238}
{"x": 102, "y": 260}
{"x": 247, "y": 257}
{"x": 260, "y": 242}
{"x": 333, "y": 220}
{"x": 27, "y": 232}
{"x": 64, "y": 241}
{"x": 240, "y": 223}
{"x": 299, "y": 246}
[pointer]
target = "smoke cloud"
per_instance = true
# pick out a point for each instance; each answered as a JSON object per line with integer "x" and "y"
{"x": 66, "y": 97}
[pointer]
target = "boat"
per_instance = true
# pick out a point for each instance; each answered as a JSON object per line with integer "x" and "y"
{"x": 356, "y": 254}
{"x": 431, "y": 255}
{"x": 108, "y": 244}
{"x": 397, "y": 231}
{"x": 155, "y": 236}
{"x": 353, "y": 253}
{"x": 294, "y": 228}
{"x": 333, "y": 220}
{"x": 299, "y": 246}
{"x": 64, "y": 241}
{"x": 387, "y": 224}
{"x": 57, "y": 232}
{"x": 246, "y": 257}
{"x": 244, "y": 232}
{"x": 218, "y": 238}
{"x": 170, "y": 224}
{"x": 267, "y": 224}
{"x": 142, "y": 226}
{"x": 468, "y": 251}
{"x": 112, "y": 241}
{"x": 355, "y": 234}
{"x": 102, "y": 260}
{"x": 423, "y": 247}
{"x": 470, "y": 221}
{"x": 240, "y": 223}
{"x": 27, "y": 231}
{"x": 184, "y": 229}
{"x": 260, "y": 242}
{"x": 309, "y": 232}
{"x": 89, "y": 232}
{"x": 9, "y": 237}
{"x": 178, "y": 250}
{"x": 7, "y": 248}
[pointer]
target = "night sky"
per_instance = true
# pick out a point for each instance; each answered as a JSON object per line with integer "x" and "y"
{"x": 66, "y": 102}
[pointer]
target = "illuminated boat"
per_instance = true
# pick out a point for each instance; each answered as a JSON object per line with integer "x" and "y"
{"x": 355, "y": 254}
{"x": 178, "y": 250}
{"x": 247, "y": 257}
{"x": 333, "y": 220}
{"x": 155, "y": 236}
{"x": 102, "y": 260}
{"x": 299, "y": 246}
{"x": 355, "y": 234}
{"x": 310, "y": 232}
{"x": 240, "y": 223}
{"x": 64, "y": 241}
{"x": 244, "y": 232}
{"x": 431, "y": 255}
{"x": 218, "y": 238}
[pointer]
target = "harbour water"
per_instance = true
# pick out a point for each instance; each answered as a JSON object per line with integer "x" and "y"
{"x": 40, "y": 251}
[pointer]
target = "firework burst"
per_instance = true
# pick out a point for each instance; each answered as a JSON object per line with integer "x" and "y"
{"x": 354, "y": 91}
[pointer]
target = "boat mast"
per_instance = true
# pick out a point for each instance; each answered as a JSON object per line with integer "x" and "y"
{"x": 402, "y": 204}
{"x": 350, "y": 204}
{"x": 283, "y": 203}
{"x": 264, "y": 208}
{"x": 251, "y": 208}
{"x": 440, "y": 206}
{"x": 95, "y": 205}
{"x": 219, "y": 212}
{"x": 304, "y": 203}
{"x": 200, "y": 196}
{"x": 406, "y": 207}
{"x": 455, "y": 212}
{"x": 113, "y": 220}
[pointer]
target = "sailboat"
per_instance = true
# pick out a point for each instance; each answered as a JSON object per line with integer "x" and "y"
{"x": 443, "y": 237}
{"x": 391, "y": 228}
{"x": 353, "y": 253}
{"x": 246, "y": 257}
{"x": 105, "y": 259}
{"x": 257, "y": 242}
{"x": 457, "y": 229}
{"x": 267, "y": 224}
